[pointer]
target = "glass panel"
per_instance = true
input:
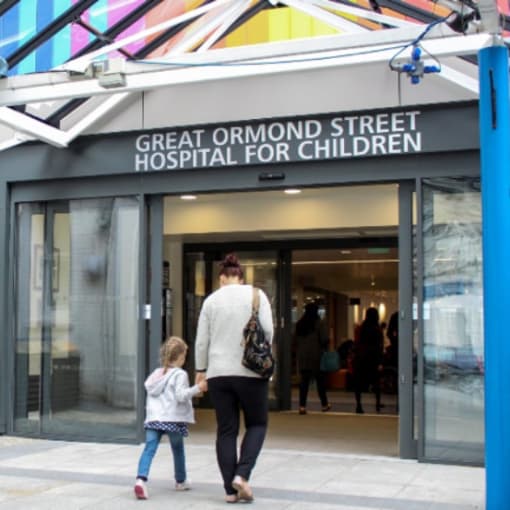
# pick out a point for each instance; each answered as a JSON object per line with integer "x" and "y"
{"x": 29, "y": 17}
{"x": 25, "y": 19}
{"x": 21, "y": 23}
{"x": 416, "y": 339}
{"x": 195, "y": 285}
{"x": 29, "y": 245}
{"x": 76, "y": 344}
{"x": 452, "y": 320}
{"x": 260, "y": 269}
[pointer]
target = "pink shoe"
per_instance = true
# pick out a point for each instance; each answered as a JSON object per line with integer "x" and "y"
{"x": 141, "y": 491}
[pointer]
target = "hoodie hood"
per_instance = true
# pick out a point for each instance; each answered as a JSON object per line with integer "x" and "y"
{"x": 157, "y": 381}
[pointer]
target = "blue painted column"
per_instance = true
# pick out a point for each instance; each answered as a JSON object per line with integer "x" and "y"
{"x": 495, "y": 177}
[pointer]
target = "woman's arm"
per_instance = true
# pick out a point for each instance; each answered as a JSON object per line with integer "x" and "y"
{"x": 202, "y": 339}
{"x": 266, "y": 316}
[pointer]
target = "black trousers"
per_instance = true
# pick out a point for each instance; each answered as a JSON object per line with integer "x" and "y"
{"x": 363, "y": 378}
{"x": 230, "y": 395}
{"x": 304, "y": 385}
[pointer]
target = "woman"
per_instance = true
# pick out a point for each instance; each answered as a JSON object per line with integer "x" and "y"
{"x": 311, "y": 341}
{"x": 368, "y": 358}
{"x": 232, "y": 387}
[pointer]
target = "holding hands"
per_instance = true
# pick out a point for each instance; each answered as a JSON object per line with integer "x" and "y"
{"x": 201, "y": 381}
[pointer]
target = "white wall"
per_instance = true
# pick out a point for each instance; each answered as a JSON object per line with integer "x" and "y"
{"x": 364, "y": 87}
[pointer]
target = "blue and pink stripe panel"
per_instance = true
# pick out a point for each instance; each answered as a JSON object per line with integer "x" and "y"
{"x": 28, "y": 17}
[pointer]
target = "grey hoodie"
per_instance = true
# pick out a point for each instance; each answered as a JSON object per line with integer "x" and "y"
{"x": 169, "y": 396}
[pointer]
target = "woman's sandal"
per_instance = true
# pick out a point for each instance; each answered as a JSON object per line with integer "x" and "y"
{"x": 243, "y": 489}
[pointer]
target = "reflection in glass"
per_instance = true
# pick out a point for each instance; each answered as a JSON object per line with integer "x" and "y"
{"x": 76, "y": 311}
{"x": 452, "y": 319}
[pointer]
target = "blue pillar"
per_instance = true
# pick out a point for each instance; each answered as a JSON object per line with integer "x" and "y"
{"x": 495, "y": 177}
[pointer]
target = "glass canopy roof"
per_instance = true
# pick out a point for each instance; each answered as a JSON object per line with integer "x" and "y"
{"x": 38, "y": 35}
{"x": 44, "y": 36}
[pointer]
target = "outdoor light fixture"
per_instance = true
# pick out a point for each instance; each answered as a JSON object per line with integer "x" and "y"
{"x": 188, "y": 197}
{"x": 112, "y": 80}
{"x": 109, "y": 73}
{"x": 292, "y": 191}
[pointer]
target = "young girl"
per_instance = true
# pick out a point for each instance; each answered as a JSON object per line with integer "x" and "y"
{"x": 169, "y": 410}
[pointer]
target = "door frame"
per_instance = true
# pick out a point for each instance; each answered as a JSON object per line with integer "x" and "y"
{"x": 408, "y": 407}
{"x": 151, "y": 231}
{"x": 50, "y": 192}
{"x": 47, "y": 210}
{"x": 408, "y": 444}
{"x": 213, "y": 253}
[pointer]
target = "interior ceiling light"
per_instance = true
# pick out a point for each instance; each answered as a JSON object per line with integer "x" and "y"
{"x": 292, "y": 191}
{"x": 360, "y": 261}
{"x": 188, "y": 197}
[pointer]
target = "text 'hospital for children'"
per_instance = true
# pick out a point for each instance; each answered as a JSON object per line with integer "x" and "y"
{"x": 280, "y": 142}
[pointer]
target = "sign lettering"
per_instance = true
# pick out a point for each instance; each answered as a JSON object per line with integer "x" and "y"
{"x": 333, "y": 137}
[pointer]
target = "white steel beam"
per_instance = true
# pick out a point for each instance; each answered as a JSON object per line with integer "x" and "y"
{"x": 81, "y": 64}
{"x": 235, "y": 11}
{"x": 184, "y": 45}
{"x": 327, "y": 17}
{"x": 467, "y": 82}
{"x": 490, "y": 16}
{"x": 363, "y": 13}
{"x": 13, "y": 141}
{"x": 173, "y": 76}
{"x": 140, "y": 77}
{"x": 207, "y": 24}
{"x": 32, "y": 127}
{"x": 100, "y": 111}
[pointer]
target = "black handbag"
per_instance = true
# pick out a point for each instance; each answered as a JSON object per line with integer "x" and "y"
{"x": 257, "y": 355}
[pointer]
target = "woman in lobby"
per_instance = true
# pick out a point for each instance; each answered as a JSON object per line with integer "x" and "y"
{"x": 232, "y": 387}
{"x": 311, "y": 341}
{"x": 368, "y": 358}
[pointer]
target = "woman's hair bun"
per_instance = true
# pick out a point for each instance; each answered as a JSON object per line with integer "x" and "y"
{"x": 230, "y": 266}
{"x": 231, "y": 260}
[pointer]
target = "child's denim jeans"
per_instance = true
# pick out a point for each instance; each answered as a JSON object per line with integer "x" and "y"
{"x": 152, "y": 439}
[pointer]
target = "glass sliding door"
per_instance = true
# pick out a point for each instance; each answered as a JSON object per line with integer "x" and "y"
{"x": 76, "y": 318}
{"x": 452, "y": 318}
{"x": 201, "y": 271}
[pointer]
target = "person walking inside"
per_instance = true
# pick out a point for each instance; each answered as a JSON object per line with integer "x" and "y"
{"x": 169, "y": 410}
{"x": 232, "y": 387}
{"x": 311, "y": 341}
{"x": 368, "y": 358}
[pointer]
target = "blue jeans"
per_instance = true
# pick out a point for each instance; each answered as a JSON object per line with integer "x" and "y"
{"x": 152, "y": 439}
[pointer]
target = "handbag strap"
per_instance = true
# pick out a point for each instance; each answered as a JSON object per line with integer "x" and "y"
{"x": 255, "y": 301}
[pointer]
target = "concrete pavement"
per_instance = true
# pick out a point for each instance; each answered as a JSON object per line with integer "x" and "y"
{"x": 44, "y": 475}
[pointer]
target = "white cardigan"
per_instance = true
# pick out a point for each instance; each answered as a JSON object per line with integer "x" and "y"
{"x": 219, "y": 340}
{"x": 169, "y": 396}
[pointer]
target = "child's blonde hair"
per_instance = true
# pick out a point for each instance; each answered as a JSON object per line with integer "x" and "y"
{"x": 171, "y": 349}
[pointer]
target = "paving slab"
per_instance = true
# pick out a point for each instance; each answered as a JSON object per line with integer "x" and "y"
{"x": 53, "y": 475}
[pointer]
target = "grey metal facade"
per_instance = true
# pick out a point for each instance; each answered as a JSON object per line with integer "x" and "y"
{"x": 104, "y": 166}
